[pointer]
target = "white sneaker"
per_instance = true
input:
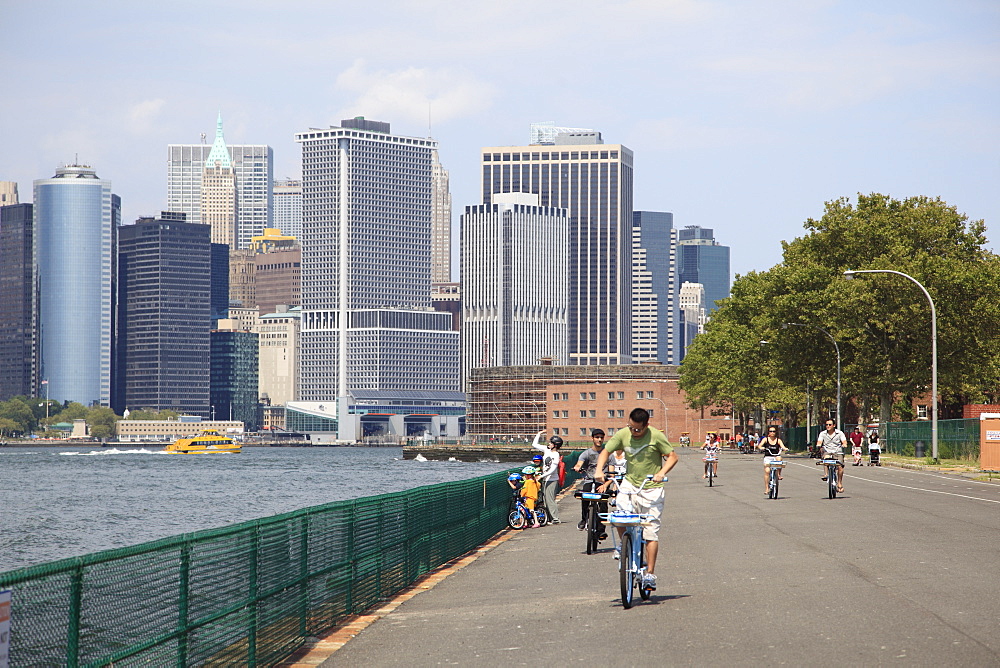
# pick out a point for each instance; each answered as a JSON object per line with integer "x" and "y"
{"x": 649, "y": 582}
{"x": 618, "y": 553}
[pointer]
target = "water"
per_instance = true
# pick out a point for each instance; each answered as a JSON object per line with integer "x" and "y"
{"x": 61, "y": 502}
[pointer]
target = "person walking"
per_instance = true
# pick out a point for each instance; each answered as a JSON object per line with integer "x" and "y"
{"x": 857, "y": 438}
{"x": 549, "y": 476}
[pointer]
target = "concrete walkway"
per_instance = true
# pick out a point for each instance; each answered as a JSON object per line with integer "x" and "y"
{"x": 899, "y": 569}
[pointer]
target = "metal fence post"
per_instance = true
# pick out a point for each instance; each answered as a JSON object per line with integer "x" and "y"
{"x": 73, "y": 631}
{"x": 182, "y": 605}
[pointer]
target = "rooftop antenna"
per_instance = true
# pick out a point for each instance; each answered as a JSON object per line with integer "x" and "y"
{"x": 429, "y": 133}
{"x": 203, "y": 137}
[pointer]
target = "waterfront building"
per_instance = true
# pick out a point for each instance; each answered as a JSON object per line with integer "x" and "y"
{"x": 164, "y": 315}
{"x": 440, "y": 222}
{"x": 167, "y": 431}
{"x": 691, "y": 314}
{"x": 701, "y": 259}
{"x": 253, "y": 168}
{"x": 8, "y": 193}
{"x": 279, "y": 355}
{"x": 592, "y": 180}
{"x": 514, "y": 403}
{"x": 382, "y": 416}
{"x": 367, "y": 321}
{"x": 516, "y": 287}
{"x": 654, "y": 287}
{"x": 234, "y": 374}
{"x": 287, "y": 201}
{"x": 18, "y": 333}
{"x": 75, "y": 220}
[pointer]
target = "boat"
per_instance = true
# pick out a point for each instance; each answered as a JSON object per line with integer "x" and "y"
{"x": 209, "y": 440}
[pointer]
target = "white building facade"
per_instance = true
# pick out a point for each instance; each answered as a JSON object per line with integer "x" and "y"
{"x": 287, "y": 205}
{"x": 515, "y": 283}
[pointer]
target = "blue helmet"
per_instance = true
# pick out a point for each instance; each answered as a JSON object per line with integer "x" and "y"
{"x": 514, "y": 477}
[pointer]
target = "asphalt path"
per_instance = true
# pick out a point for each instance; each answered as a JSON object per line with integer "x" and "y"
{"x": 901, "y": 569}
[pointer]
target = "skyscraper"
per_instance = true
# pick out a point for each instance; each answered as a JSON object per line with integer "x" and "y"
{"x": 74, "y": 224}
{"x": 18, "y": 334}
{"x": 515, "y": 285}
{"x": 700, "y": 259}
{"x": 288, "y": 207}
{"x": 165, "y": 311}
{"x": 253, "y": 167}
{"x": 218, "y": 192}
{"x": 8, "y": 193}
{"x": 234, "y": 369}
{"x": 654, "y": 287}
{"x": 366, "y": 267}
{"x": 440, "y": 222}
{"x": 691, "y": 315}
{"x": 593, "y": 182}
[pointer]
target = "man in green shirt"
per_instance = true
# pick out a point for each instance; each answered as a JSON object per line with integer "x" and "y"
{"x": 647, "y": 453}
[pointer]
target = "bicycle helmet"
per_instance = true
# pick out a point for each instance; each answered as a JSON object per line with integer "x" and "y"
{"x": 529, "y": 470}
{"x": 514, "y": 477}
{"x": 536, "y": 458}
{"x": 555, "y": 440}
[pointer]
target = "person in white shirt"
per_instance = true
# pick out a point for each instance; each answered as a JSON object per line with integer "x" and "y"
{"x": 549, "y": 477}
{"x": 831, "y": 443}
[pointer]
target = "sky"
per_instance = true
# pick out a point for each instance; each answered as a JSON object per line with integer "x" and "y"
{"x": 744, "y": 116}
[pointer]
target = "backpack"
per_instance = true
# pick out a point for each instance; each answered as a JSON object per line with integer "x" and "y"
{"x": 562, "y": 473}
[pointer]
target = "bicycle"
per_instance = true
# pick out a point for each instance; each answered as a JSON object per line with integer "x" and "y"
{"x": 519, "y": 516}
{"x": 831, "y": 475}
{"x": 632, "y": 566}
{"x": 594, "y": 529}
{"x": 710, "y": 473}
{"x": 542, "y": 513}
{"x": 775, "y": 467}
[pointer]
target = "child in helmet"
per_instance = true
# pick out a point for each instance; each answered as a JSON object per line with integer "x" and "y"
{"x": 529, "y": 492}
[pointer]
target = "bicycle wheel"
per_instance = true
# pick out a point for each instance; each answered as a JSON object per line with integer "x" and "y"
{"x": 644, "y": 594}
{"x": 542, "y": 515}
{"x": 626, "y": 571}
{"x": 774, "y": 479}
{"x": 710, "y": 476}
{"x": 832, "y": 480}
{"x": 516, "y": 519}
{"x": 592, "y": 532}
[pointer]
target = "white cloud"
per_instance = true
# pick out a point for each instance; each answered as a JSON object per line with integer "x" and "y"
{"x": 141, "y": 116}
{"x": 404, "y": 95}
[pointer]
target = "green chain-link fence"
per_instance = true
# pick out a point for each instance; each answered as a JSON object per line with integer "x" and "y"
{"x": 957, "y": 439}
{"x": 251, "y": 593}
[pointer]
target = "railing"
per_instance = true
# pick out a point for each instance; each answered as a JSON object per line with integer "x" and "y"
{"x": 251, "y": 593}
{"x": 248, "y": 594}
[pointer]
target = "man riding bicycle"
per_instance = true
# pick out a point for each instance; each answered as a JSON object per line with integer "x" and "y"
{"x": 648, "y": 453}
{"x": 586, "y": 464}
{"x": 831, "y": 444}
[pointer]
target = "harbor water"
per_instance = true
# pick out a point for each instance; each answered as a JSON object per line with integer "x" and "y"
{"x": 58, "y": 502}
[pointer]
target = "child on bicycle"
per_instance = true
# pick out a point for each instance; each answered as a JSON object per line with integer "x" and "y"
{"x": 711, "y": 449}
{"x": 528, "y": 491}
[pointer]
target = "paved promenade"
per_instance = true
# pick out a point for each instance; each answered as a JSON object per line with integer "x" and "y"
{"x": 903, "y": 569}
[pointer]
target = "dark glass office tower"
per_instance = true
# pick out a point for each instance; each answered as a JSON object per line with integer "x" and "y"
{"x": 700, "y": 259}
{"x": 235, "y": 376}
{"x": 165, "y": 298}
{"x": 18, "y": 354}
{"x": 220, "y": 281}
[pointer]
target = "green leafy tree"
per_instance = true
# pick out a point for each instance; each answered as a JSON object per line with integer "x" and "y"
{"x": 102, "y": 422}
{"x": 881, "y": 322}
{"x": 8, "y": 427}
{"x": 18, "y": 411}
{"x": 72, "y": 411}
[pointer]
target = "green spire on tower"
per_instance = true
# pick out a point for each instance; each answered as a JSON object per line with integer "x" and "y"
{"x": 219, "y": 153}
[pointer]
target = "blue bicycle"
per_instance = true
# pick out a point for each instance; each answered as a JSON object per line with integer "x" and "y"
{"x": 632, "y": 566}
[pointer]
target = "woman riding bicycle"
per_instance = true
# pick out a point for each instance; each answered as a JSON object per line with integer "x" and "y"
{"x": 772, "y": 447}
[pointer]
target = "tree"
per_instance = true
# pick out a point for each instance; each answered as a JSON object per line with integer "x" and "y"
{"x": 102, "y": 422}
{"x": 18, "y": 411}
{"x": 71, "y": 411}
{"x": 881, "y": 323}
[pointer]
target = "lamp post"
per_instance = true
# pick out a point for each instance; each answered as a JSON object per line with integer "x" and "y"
{"x": 763, "y": 406}
{"x": 849, "y": 274}
{"x": 835, "y": 346}
{"x": 664, "y": 414}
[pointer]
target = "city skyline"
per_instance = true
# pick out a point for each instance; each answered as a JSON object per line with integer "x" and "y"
{"x": 744, "y": 117}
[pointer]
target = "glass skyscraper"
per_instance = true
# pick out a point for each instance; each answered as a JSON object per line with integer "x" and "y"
{"x": 74, "y": 223}
{"x": 593, "y": 182}
{"x": 18, "y": 334}
{"x": 654, "y": 287}
{"x": 700, "y": 259}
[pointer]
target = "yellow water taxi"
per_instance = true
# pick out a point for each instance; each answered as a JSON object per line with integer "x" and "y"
{"x": 209, "y": 440}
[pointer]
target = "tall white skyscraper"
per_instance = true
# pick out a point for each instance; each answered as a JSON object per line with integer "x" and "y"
{"x": 75, "y": 220}
{"x": 287, "y": 206}
{"x": 218, "y": 193}
{"x": 253, "y": 166}
{"x": 367, "y": 321}
{"x": 514, "y": 281}
{"x": 440, "y": 222}
{"x": 691, "y": 308}
{"x": 593, "y": 182}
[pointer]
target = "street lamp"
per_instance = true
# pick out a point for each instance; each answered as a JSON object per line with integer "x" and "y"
{"x": 849, "y": 274}
{"x": 664, "y": 414}
{"x": 835, "y": 346}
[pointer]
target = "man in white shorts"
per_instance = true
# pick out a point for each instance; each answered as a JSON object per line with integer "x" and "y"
{"x": 648, "y": 453}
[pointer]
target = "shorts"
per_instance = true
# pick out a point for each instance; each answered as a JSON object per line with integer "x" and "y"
{"x": 839, "y": 456}
{"x": 648, "y": 502}
{"x": 528, "y": 503}
{"x": 768, "y": 459}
